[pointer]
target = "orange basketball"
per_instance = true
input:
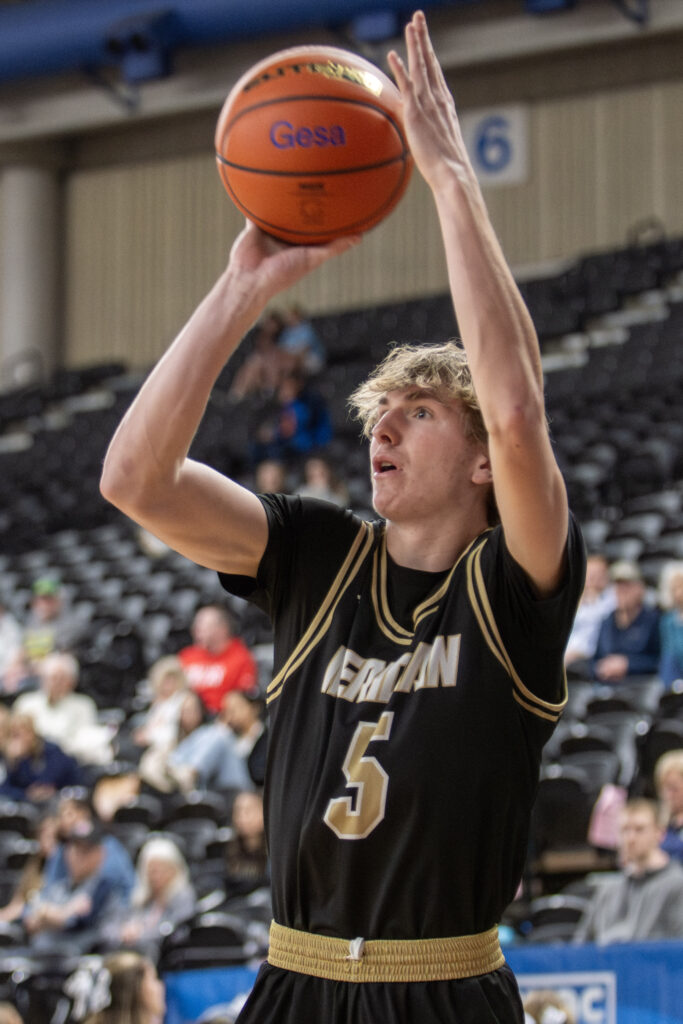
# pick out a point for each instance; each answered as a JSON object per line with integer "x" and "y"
{"x": 310, "y": 144}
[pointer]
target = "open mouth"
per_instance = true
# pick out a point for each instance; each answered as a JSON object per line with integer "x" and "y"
{"x": 384, "y": 466}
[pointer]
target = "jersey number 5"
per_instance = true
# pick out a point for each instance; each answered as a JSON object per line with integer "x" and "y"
{"x": 351, "y": 818}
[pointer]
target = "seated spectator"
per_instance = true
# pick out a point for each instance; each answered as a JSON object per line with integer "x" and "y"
{"x": 63, "y": 716}
{"x": 154, "y": 768}
{"x": 671, "y": 624}
{"x": 597, "y": 601}
{"x": 262, "y": 370}
{"x": 217, "y": 661}
{"x": 300, "y": 423}
{"x": 321, "y": 482}
{"x": 71, "y": 912}
{"x": 300, "y": 341}
{"x": 209, "y": 759}
{"x": 169, "y": 685}
{"x": 75, "y": 813}
{"x": 246, "y": 857}
{"x": 669, "y": 786}
{"x": 270, "y": 477}
{"x": 32, "y": 874}
{"x": 628, "y": 641}
{"x": 163, "y": 897}
{"x": 242, "y": 712}
{"x": 34, "y": 768}
{"x": 645, "y": 900}
{"x": 51, "y": 626}
{"x": 123, "y": 989}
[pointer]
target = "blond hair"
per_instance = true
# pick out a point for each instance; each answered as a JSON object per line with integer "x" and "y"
{"x": 666, "y": 578}
{"x": 171, "y": 666}
{"x": 672, "y": 761}
{"x": 441, "y": 369}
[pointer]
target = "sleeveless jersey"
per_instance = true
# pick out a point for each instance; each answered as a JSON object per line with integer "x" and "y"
{"x": 404, "y": 742}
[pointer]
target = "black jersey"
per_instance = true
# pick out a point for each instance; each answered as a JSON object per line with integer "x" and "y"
{"x": 408, "y": 712}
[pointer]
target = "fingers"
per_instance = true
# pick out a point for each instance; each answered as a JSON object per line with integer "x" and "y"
{"x": 423, "y": 69}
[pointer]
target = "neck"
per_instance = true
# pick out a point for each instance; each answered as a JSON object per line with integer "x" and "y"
{"x": 656, "y": 860}
{"x": 419, "y": 546}
{"x": 625, "y": 616}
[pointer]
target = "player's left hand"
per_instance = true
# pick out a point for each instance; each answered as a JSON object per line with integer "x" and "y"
{"x": 430, "y": 119}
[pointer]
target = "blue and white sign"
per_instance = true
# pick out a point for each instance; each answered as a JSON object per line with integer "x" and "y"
{"x": 590, "y": 996}
{"x": 497, "y": 140}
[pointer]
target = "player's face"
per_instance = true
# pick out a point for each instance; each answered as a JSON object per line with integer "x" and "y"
{"x": 421, "y": 463}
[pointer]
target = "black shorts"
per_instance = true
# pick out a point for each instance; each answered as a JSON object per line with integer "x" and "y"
{"x": 285, "y": 997}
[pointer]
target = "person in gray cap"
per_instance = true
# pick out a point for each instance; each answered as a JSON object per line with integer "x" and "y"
{"x": 628, "y": 641}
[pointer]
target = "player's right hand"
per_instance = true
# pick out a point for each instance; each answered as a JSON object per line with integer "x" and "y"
{"x": 271, "y": 266}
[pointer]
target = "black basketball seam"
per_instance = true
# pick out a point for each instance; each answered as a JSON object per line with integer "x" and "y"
{"x": 349, "y": 228}
{"x": 313, "y": 174}
{"x": 317, "y": 96}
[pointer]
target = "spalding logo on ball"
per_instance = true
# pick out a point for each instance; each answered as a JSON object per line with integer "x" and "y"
{"x": 310, "y": 144}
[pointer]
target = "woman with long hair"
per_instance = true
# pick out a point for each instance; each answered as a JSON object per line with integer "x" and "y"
{"x": 126, "y": 990}
{"x": 163, "y": 897}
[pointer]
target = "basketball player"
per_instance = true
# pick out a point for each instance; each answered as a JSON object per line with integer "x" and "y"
{"x": 419, "y": 658}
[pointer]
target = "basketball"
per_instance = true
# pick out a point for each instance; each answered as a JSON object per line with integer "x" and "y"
{"x": 310, "y": 144}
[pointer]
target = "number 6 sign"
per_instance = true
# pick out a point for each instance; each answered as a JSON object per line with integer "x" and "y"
{"x": 497, "y": 143}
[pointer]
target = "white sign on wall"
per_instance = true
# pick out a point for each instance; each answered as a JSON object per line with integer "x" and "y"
{"x": 590, "y": 996}
{"x": 497, "y": 140}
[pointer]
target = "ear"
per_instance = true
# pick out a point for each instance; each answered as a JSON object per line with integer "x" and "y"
{"x": 481, "y": 473}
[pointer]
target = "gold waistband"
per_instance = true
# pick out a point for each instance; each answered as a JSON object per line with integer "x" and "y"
{"x": 464, "y": 956}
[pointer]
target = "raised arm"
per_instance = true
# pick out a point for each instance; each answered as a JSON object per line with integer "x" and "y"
{"x": 495, "y": 326}
{"x": 147, "y": 474}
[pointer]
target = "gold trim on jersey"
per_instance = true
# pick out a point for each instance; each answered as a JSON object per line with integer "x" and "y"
{"x": 482, "y": 609}
{"x": 380, "y": 601}
{"x": 321, "y": 622}
{"x": 384, "y": 960}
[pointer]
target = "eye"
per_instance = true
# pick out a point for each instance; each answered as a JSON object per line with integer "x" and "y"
{"x": 421, "y": 413}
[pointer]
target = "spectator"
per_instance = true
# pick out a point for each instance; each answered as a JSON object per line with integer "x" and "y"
{"x": 209, "y": 758}
{"x": 628, "y": 641}
{"x": 547, "y": 1007}
{"x": 321, "y": 482}
{"x": 34, "y": 768}
{"x": 645, "y": 901}
{"x": 71, "y": 912}
{"x": 51, "y": 624}
{"x": 75, "y": 813}
{"x": 301, "y": 343}
{"x": 246, "y": 857}
{"x": 242, "y": 712}
{"x": 301, "y": 422}
{"x": 163, "y": 897}
{"x": 155, "y": 768}
{"x": 169, "y": 685}
{"x": 669, "y": 786}
{"x": 127, "y": 991}
{"x": 63, "y": 716}
{"x": 671, "y": 623}
{"x": 261, "y": 372}
{"x": 597, "y": 601}
{"x": 32, "y": 874}
{"x": 270, "y": 477}
{"x": 217, "y": 661}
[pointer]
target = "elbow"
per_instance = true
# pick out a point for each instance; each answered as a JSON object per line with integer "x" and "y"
{"x": 120, "y": 484}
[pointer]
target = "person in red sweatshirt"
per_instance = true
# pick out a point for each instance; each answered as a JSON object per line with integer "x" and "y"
{"x": 217, "y": 661}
